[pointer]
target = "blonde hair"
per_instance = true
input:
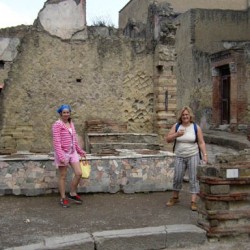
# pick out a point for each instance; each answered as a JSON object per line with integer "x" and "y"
{"x": 189, "y": 110}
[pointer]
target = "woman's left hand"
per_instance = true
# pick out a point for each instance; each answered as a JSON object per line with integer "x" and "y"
{"x": 205, "y": 158}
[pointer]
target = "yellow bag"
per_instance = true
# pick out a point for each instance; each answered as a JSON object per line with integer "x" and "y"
{"x": 85, "y": 167}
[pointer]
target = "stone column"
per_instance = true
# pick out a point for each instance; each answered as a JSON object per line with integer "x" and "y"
{"x": 216, "y": 78}
{"x": 165, "y": 90}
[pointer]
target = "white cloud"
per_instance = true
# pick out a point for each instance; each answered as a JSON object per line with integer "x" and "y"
{"x": 10, "y": 18}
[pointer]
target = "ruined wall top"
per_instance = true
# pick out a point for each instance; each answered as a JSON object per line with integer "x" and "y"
{"x": 138, "y": 9}
{"x": 64, "y": 18}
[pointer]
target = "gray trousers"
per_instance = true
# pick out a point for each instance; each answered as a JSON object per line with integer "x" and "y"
{"x": 180, "y": 166}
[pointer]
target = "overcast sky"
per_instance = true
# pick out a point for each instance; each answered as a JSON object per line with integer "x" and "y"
{"x": 17, "y": 12}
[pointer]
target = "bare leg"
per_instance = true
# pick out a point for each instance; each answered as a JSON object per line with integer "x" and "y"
{"x": 77, "y": 177}
{"x": 193, "y": 199}
{"x": 62, "y": 179}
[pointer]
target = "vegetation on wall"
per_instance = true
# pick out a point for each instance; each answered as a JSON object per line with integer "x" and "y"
{"x": 103, "y": 21}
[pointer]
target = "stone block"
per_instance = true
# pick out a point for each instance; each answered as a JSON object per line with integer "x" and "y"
{"x": 10, "y": 144}
{"x": 17, "y": 191}
{"x": 73, "y": 241}
{"x": 217, "y": 205}
{"x": 184, "y": 235}
{"x": 28, "y": 247}
{"x": 22, "y": 144}
{"x": 245, "y": 173}
{"x": 204, "y": 188}
{"x": 139, "y": 239}
{"x": 214, "y": 223}
{"x": 220, "y": 189}
{"x": 33, "y": 191}
{"x": 7, "y": 151}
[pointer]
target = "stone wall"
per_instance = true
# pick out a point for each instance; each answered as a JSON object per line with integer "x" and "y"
{"x": 224, "y": 198}
{"x": 210, "y": 37}
{"x": 9, "y": 42}
{"x": 33, "y": 175}
{"x": 198, "y": 35}
{"x": 98, "y": 71}
{"x": 138, "y": 9}
{"x": 192, "y": 72}
{"x": 103, "y": 77}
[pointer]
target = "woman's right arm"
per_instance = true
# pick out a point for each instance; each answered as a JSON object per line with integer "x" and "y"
{"x": 56, "y": 129}
{"x": 172, "y": 135}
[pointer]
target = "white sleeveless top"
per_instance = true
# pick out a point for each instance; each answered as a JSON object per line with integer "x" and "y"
{"x": 186, "y": 145}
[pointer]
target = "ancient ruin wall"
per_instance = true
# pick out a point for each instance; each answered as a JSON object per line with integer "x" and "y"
{"x": 209, "y": 34}
{"x": 198, "y": 36}
{"x": 138, "y": 9}
{"x": 193, "y": 75}
{"x": 9, "y": 41}
{"x": 101, "y": 77}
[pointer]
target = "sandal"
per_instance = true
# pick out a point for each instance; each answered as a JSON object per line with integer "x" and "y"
{"x": 172, "y": 201}
{"x": 193, "y": 206}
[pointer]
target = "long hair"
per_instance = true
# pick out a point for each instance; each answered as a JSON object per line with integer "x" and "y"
{"x": 189, "y": 110}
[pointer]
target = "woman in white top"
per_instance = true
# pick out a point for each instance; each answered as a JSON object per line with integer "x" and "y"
{"x": 189, "y": 143}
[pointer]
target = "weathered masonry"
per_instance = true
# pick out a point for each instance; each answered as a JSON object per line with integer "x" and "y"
{"x": 224, "y": 199}
{"x": 128, "y": 172}
{"x": 199, "y": 41}
{"x": 140, "y": 74}
{"x": 97, "y": 70}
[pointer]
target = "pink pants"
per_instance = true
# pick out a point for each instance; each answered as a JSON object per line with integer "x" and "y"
{"x": 70, "y": 158}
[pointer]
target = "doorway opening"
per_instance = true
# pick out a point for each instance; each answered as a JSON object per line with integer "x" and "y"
{"x": 225, "y": 93}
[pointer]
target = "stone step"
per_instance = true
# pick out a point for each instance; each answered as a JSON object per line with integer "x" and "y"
{"x": 122, "y": 137}
{"x": 170, "y": 236}
{"x": 105, "y": 126}
{"x": 159, "y": 237}
{"x": 98, "y": 147}
{"x": 97, "y": 142}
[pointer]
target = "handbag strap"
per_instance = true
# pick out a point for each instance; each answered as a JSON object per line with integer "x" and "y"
{"x": 84, "y": 160}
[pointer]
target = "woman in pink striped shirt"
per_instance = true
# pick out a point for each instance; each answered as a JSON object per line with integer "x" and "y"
{"x": 66, "y": 150}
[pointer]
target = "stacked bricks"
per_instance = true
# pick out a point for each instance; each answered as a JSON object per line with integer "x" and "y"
{"x": 105, "y": 126}
{"x": 224, "y": 207}
{"x": 16, "y": 137}
{"x": 164, "y": 92}
{"x": 104, "y": 137}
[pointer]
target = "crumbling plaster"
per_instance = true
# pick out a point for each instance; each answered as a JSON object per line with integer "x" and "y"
{"x": 8, "y": 48}
{"x": 58, "y": 19}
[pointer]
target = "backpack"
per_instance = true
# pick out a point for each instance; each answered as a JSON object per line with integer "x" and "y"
{"x": 196, "y": 135}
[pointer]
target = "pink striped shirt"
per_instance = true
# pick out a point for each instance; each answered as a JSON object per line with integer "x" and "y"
{"x": 64, "y": 141}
